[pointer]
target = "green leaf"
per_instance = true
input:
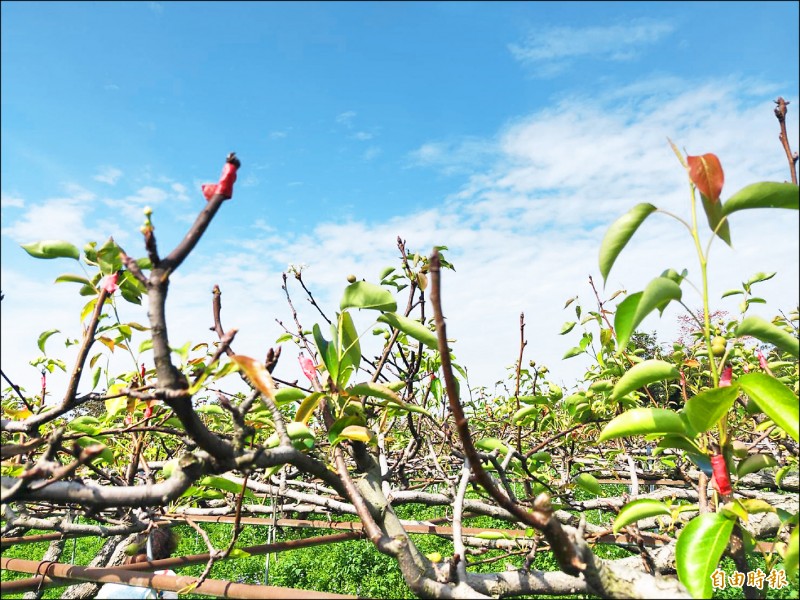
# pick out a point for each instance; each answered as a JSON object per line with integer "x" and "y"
{"x": 348, "y": 347}
{"x": 386, "y": 272}
{"x": 43, "y": 337}
{"x": 777, "y": 401}
{"x": 767, "y": 194}
{"x": 85, "y": 424}
{"x": 489, "y": 444}
{"x": 220, "y": 483}
{"x": 620, "y": 233}
{"x": 715, "y": 216}
{"x": 357, "y": 433}
{"x": 640, "y": 421}
{"x": 790, "y": 559}
{"x": 523, "y": 412}
{"x": 327, "y": 352}
{"x": 308, "y": 406}
{"x": 69, "y": 278}
{"x": 116, "y": 405}
{"x": 678, "y": 441}
{"x": 106, "y": 455}
{"x": 633, "y": 310}
{"x": 297, "y": 432}
{"x": 369, "y": 296}
{"x": 755, "y": 462}
{"x": 758, "y": 277}
{"x": 588, "y": 483}
{"x": 410, "y": 327}
{"x": 642, "y": 374}
{"x": 96, "y": 377}
{"x": 238, "y": 553}
{"x": 493, "y": 535}
{"x": 781, "y": 473}
{"x": 567, "y": 327}
{"x": 574, "y": 351}
{"x": 108, "y": 257}
{"x": 706, "y": 408}
{"x": 699, "y": 548}
{"x": 288, "y": 394}
{"x": 637, "y": 510}
{"x": 52, "y": 249}
{"x": 756, "y": 505}
{"x": 769, "y": 333}
{"x": 376, "y": 390}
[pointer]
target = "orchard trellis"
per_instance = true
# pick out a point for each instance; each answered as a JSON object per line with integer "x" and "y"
{"x": 364, "y": 436}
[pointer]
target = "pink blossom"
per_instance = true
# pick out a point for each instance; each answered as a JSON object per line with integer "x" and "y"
{"x": 308, "y": 367}
{"x": 762, "y": 362}
{"x": 725, "y": 378}
{"x": 109, "y": 283}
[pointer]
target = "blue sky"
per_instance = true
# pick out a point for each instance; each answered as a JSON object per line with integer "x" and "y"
{"x": 512, "y": 132}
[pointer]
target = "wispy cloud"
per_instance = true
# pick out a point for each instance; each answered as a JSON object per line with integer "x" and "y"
{"x": 8, "y": 201}
{"x": 371, "y": 153}
{"x": 109, "y": 175}
{"x": 156, "y": 7}
{"x": 346, "y": 118}
{"x": 452, "y": 157}
{"x": 363, "y": 136}
{"x": 277, "y": 135}
{"x": 550, "y": 50}
{"x": 63, "y": 218}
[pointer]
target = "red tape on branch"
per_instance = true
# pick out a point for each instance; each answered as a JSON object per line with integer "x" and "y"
{"x": 721, "y": 477}
{"x": 226, "y": 180}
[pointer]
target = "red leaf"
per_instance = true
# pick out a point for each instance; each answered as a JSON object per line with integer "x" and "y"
{"x": 725, "y": 378}
{"x": 706, "y": 173}
{"x": 309, "y": 370}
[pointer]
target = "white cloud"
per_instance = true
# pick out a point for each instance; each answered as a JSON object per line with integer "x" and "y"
{"x": 132, "y": 205}
{"x": 346, "y": 118}
{"x": 277, "y": 135}
{"x": 463, "y": 155}
{"x": 65, "y": 218}
{"x": 523, "y": 232}
{"x": 363, "y": 136}
{"x": 371, "y": 152}
{"x": 109, "y": 175}
{"x": 8, "y": 201}
{"x": 156, "y": 7}
{"x": 551, "y": 49}
{"x": 181, "y": 192}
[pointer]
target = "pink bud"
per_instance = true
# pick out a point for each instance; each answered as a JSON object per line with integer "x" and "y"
{"x": 762, "y": 362}
{"x": 308, "y": 366}
{"x": 109, "y": 283}
{"x": 725, "y": 378}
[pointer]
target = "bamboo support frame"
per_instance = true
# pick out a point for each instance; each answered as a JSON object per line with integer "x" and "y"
{"x": 42, "y": 569}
